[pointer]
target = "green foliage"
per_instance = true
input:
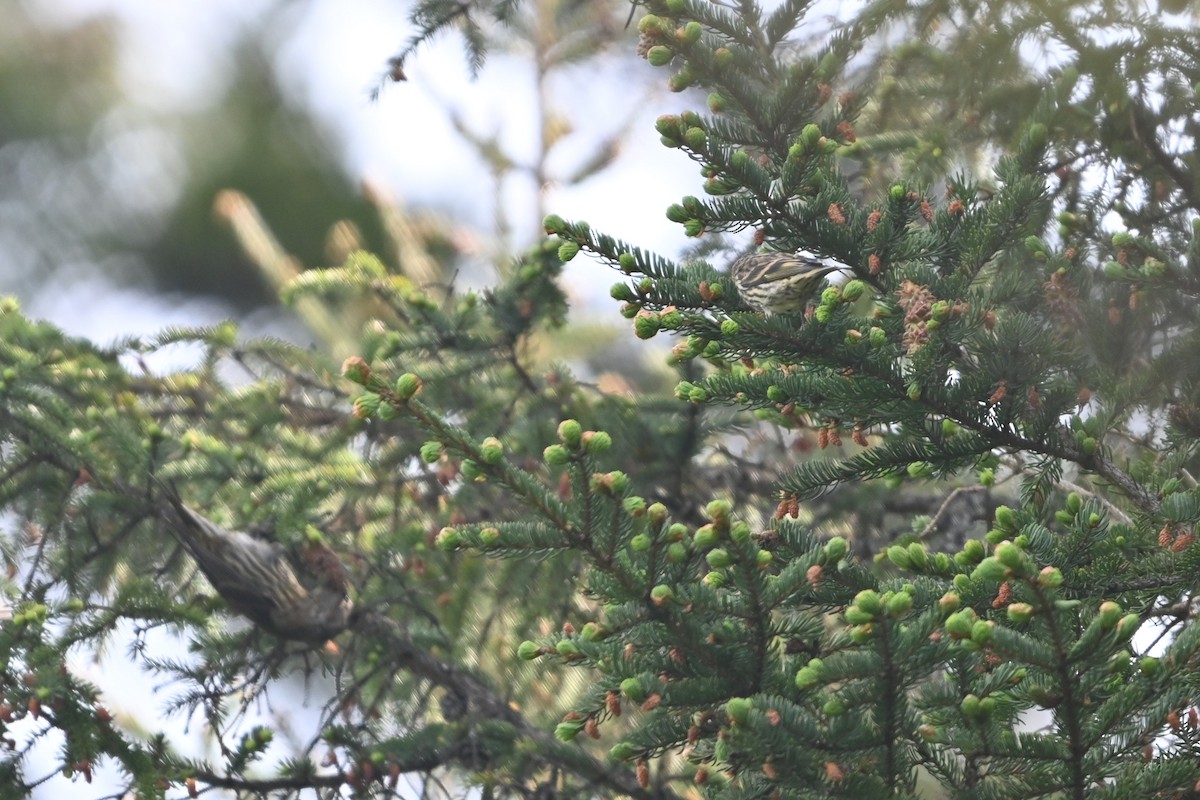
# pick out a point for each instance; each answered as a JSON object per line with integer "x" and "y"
{"x": 710, "y": 582}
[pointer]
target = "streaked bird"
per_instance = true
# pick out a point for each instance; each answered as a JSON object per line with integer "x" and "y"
{"x": 304, "y": 600}
{"x": 780, "y": 283}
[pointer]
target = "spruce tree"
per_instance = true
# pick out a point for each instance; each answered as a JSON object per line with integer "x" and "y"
{"x": 931, "y": 538}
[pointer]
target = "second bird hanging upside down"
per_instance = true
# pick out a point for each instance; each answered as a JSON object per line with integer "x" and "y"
{"x": 302, "y": 599}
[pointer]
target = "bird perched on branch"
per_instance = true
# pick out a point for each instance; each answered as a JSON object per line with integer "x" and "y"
{"x": 778, "y": 283}
{"x": 304, "y": 599}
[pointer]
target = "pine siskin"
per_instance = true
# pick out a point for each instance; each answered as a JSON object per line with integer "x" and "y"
{"x": 778, "y": 283}
{"x": 256, "y": 578}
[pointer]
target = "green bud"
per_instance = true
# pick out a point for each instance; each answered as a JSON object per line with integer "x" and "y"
{"x": 918, "y": 555}
{"x": 671, "y": 319}
{"x": 651, "y": 24}
{"x": 661, "y": 594}
{"x": 995, "y": 536}
{"x": 990, "y": 569}
{"x": 836, "y": 548}
{"x": 738, "y": 709}
{"x": 357, "y": 370}
{"x": 431, "y": 452}
{"x": 556, "y": 455}
{"x": 1109, "y": 613}
{"x": 1010, "y": 555}
{"x": 622, "y": 751}
{"x": 1020, "y": 613}
{"x": 596, "y": 442}
{"x": 566, "y": 648}
{"x": 869, "y": 601}
{"x": 696, "y": 139}
{"x": 681, "y": 80}
{"x": 567, "y": 251}
{"x": 677, "y": 213}
{"x": 567, "y": 731}
{"x": 898, "y": 555}
{"x": 1006, "y": 518}
{"x": 807, "y": 677}
{"x": 691, "y": 32}
{"x": 491, "y": 450}
{"x": 834, "y": 707}
{"x": 717, "y": 102}
{"x": 856, "y": 616}
{"x": 676, "y": 552}
{"x": 623, "y": 292}
{"x": 489, "y": 537}
{"x": 987, "y": 477}
{"x": 899, "y": 604}
{"x": 898, "y": 192}
{"x": 1037, "y": 135}
{"x": 723, "y": 56}
{"x": 729, "y": 327}
{"x": 718, "y": 558}
{"x": 448, "y": 539}
{"x": 960, "y": 624}
{"x": 471, "y": 471}
{"x": 921, "y": 469}
{"x": 569, "y": 432}
{"x": 627, "y": 263}
{"x": 646, "y": 324}
{"x": 1127, "y": 626}
{"x": 553, "y": 223}
{"x": 632, "y": 688}
{"x": 366, "y": 405}
{"x": 1050, "y": 577}
{"x": 693, "y": 228}
{"x": 408, "y": 385}
{"x": 718, "y": 511}
{"x": 949, "y": 602}
{"x": 830, "y": 295}
{"x": 763, "y": 558}
{"x": 810, "y": 136}
{"x": 634, "y": 506}
{"x": 640, "y": 543}
{"x": 853, "y": 290}
{"x": 706, "y": 537}
{"x": 861, "y": 634}
{"x": 659, "y": 56}
{"x": 981, "y": 631}
{"x": 877, "y": 337}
